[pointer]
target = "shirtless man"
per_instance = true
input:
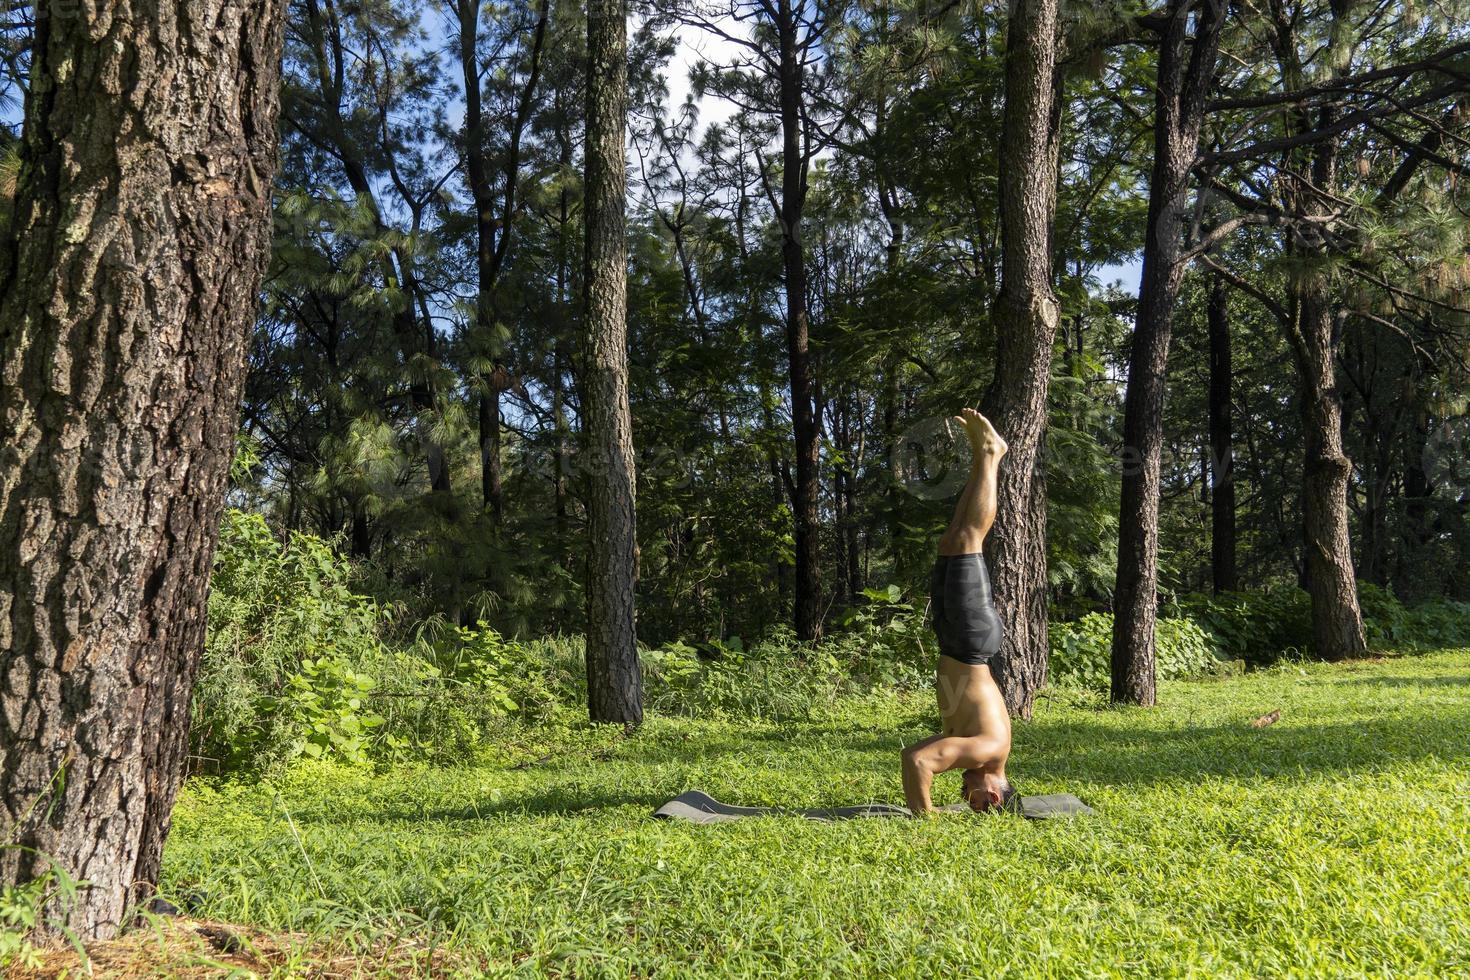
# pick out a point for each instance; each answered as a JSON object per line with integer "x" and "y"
{"x": 977, "y": 727}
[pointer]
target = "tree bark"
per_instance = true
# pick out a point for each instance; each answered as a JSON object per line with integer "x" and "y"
{"x": 1314, "y": 333}
{"x": 1222, "y": 442}
{"x": 1337, "y": 619}
{"x": 1185, "y": 73}
{"x": 1026, "y": 315}
{"x": 614, "y": 680}
{"x": 128, "y": 285}
{"x": 806, "y": 491}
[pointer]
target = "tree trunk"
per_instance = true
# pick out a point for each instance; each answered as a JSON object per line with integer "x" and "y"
{"x": 492, "y": 494}
{"x": 492, "y": 228}
{"x": 803, "y": 411}
{"x": 614, "y": 681}
{"x": 1337, "y": 620}
{"x": 1222, "y": 446}
{"x": 130, "y": 282}
{"x": 1314, "y": 332}
{"x": 1026, "y": 316}
{"x": 1184, "y": 76}
{"x": 1417, "y": 528}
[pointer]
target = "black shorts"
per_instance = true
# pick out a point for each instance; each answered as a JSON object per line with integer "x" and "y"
{"x": 965, "y": 618}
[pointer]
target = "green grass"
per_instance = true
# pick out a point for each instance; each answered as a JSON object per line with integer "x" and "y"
{"x": 1332, "y": 843}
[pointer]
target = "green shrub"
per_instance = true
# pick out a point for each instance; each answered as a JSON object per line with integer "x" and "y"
{"x": 1256, "y": 627}
{"x": 1433, "y": 624}
{"x": 20, "y": 913}
{"x": 454, "y": 686}
{"x": 775, "y": 679}
{"x": 1265, "y": 626}
{"x": 1081, "y": 651}
{"x": 883, "y": 643}
{"x": 324, "y": 702}
{"x": 886, "y": 641}
{"x": 297, "y": 663}
{"x": 285, "y": 632}
{"x": 24, "y": 909}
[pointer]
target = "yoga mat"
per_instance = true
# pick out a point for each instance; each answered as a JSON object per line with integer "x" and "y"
{"x": 697, "y": 806}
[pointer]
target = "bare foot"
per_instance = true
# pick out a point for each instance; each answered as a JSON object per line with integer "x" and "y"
{"x": 983, "y": 437}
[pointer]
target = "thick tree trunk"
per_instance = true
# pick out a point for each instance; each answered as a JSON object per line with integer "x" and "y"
{"x": 1314, "y": 332}
{"x": 1222, "y": 442}
{"x": 614, "y": 681}
{"x": 1184, "y": 76}
{"x": 128, "y": 285}
{"x": 793, "y": 260}
{"x": 1026, "y": 315}
{"x": 1337, "y": 619}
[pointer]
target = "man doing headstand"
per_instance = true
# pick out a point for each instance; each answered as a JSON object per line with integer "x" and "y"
{"x": 977, "y": 727}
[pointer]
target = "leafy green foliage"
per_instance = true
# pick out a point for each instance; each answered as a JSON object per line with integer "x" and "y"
{"x": 297, "y": 663}
{"x": 24, "y": 908}
{"x": 770, "y": 681}
{"x": 885, "y": 640}
{"x": 1262, "y": 627}
{"x": 1427, "y": 625}
{"x": 1256, "y": 627}
{"x": 325, "y": 704}
{"x": 20, "y": 912}
{"x": 288, "y": 641}
{"x": 1081, "y": 650}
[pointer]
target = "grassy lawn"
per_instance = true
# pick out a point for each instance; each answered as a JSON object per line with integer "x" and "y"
{"x": 1331, "y": 843}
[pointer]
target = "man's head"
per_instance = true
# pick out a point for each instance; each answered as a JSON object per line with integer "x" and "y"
{"x": 984, "y": 790}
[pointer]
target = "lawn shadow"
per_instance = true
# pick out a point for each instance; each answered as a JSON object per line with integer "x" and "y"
{"x": 557, "y": 800}
{"x": 1071, "y": 749}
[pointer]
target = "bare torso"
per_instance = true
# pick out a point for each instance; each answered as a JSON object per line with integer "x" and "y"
{"x": 969, "y": 702}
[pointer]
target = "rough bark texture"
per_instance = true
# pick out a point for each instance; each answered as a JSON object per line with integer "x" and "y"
{"x": 128, "y": 285}
{"x": 1184, "y": 76}
{"x": 1314, "y": 332}
{"x": 614, "y": 681}
{"x": 1026, "y": 316}
{"x": 1337, "y": 619}
{"x": 1222, "y": 441}
{"x": 793, "y": 260}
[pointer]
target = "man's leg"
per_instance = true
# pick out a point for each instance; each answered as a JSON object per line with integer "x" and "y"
{"x": 974, "y": 513}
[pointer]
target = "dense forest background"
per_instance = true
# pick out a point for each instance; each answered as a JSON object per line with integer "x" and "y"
{"x": 414, "y": 392}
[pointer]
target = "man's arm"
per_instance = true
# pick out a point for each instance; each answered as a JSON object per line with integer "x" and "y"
{"x": 922, "y": 761}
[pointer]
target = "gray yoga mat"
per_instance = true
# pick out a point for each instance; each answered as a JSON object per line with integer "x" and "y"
{"x": 697, "y": 806}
